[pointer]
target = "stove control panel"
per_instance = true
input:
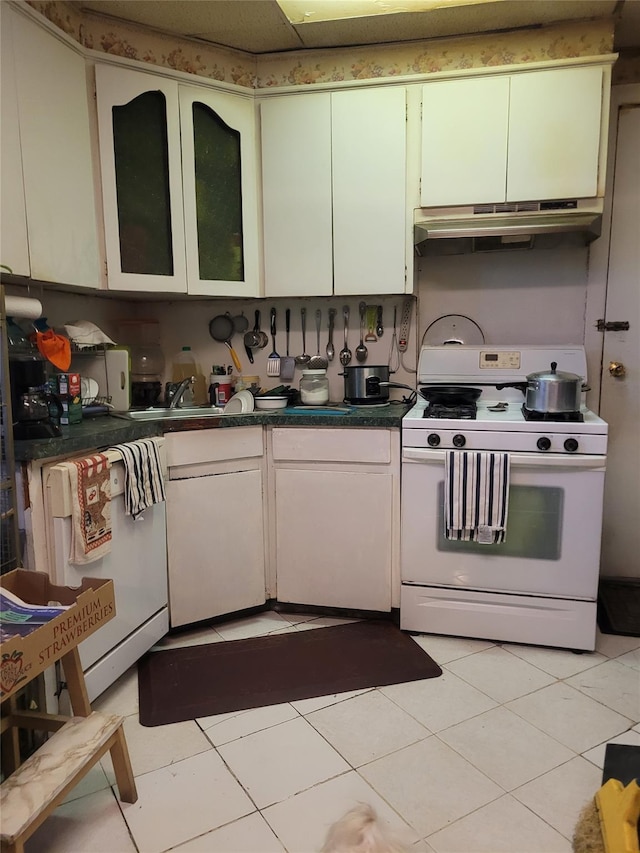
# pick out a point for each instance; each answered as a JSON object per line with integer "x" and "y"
{"x": 551, "y": 443}
{"x": 500, "y": 360}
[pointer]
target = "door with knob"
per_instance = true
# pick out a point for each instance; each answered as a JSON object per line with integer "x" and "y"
{"x": 620, "y": 389}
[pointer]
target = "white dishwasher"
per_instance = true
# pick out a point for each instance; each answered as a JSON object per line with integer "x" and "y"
{"x": 137, "y": 564}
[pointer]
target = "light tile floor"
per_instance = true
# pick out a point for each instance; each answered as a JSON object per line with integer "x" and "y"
{"x": 498, "y": 754}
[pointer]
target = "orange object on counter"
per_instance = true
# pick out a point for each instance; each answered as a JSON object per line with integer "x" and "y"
{"x": 55, "y": 348}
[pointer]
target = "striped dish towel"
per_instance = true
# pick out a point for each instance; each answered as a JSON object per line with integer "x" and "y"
{"x": 90, "y": 482}
{"x": 476, "y": 496}
{"x": 144, "y": 481}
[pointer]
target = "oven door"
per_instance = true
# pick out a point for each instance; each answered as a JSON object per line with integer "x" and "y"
{"x": 554, "y": 523}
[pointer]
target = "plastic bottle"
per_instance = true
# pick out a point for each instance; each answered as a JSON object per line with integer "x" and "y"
{"x": 184, "y": 364}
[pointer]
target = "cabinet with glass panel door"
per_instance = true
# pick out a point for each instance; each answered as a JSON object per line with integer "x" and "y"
{"x": 178, "y": 166}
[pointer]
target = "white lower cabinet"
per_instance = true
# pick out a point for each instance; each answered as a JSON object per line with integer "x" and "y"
{"x": 334, "y": 520}
{"x": 215, "y": 523}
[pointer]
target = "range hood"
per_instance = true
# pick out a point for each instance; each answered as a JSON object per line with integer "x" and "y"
{"x": 504, "y": 227}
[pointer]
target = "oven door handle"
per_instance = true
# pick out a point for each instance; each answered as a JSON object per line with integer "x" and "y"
{"x": 520, "y": 460}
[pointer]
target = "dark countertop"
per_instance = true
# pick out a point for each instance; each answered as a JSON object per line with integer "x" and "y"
{"x": 101, "y": 432}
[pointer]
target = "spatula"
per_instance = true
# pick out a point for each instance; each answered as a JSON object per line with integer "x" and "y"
{"x": 287, "y": 362}
{"x": 273, "y": 362}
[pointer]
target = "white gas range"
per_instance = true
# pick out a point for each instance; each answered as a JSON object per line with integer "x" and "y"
{"x": 540, "y": 584}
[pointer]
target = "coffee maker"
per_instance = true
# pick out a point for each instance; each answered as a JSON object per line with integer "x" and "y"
{"x": 30, "y": 398}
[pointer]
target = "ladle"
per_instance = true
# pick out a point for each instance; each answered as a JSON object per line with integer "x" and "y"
{"x": 361, "y": 349}
{"x": 304, "y": 358}
{"x": 345, "y": 352}
{"x": 317, "y": 361}
{"x": 331, "y": 350}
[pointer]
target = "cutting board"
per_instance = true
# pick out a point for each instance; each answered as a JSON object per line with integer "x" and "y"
{"x": 118, "y": 378}
{"x": 111, "y": 371}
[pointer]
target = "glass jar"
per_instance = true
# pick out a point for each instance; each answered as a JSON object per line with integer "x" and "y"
{"x": 314, "y": 387}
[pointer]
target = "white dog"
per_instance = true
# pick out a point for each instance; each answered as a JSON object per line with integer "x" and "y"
{"x": 360, "y": 831}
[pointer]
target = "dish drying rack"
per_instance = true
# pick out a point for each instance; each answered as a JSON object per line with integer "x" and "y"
{"x": 101, "y": 403}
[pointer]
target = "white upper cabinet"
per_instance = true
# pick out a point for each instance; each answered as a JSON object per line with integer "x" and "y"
{"x": 54, "y": 151}
{"x": 529, "y": 136}
{"x": 296, "y": 195}
{"x": 334, "y": 192}
{"x": 554, "y": 134}
{"x": 464, "y": 141}
{"x": 178, "y": 166}
{"x": 139, "y": 131}
{"x": 220, "y": 185}
{"x": 14, "y": 245}
{"x": 369, "y": 141}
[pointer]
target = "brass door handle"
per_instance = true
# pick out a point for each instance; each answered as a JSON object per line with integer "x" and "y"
{"x": 616, "y": 368}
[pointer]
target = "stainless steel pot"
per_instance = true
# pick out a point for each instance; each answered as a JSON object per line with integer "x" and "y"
{"x": 553, "y": 391}
{"x": 550, "y": 391}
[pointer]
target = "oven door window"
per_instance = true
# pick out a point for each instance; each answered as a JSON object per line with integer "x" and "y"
{"x": 534, "y": 525}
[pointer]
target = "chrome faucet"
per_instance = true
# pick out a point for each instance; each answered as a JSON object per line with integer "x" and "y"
{"x": 177, "y": 391}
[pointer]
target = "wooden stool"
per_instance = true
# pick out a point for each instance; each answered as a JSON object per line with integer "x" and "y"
{"x": 39, "y": 785}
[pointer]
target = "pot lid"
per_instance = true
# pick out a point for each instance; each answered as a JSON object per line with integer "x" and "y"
{"x": 453, "y": 329}
{"x": 554, "y": 375}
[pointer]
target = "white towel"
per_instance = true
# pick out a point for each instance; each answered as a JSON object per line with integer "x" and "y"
{"x": 90, "y": 483}
{"x": 476, "y": 497}
{"x": 144, "y": 481}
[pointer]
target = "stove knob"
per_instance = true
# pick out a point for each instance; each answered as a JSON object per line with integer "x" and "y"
{"x": 543, "y": 443}
{"x": 459, "y": 440}
{"x": 571, "y": 445}
{"x": 433, "y": 440}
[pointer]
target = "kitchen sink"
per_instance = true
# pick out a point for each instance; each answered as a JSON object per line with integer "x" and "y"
{"x": 179, "y": 413}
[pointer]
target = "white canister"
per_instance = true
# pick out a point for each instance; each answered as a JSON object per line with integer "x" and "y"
{"x": 314, "y": 387}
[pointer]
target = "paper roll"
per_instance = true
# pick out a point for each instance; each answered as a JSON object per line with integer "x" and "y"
{"x": 22, "y": 307}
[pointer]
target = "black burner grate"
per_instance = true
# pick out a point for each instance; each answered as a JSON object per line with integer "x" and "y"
{"x": 555, "y": 417}
{"x": 465, "y": 412}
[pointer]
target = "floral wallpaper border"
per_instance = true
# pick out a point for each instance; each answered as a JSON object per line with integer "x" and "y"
{"x": 557, "y": 42}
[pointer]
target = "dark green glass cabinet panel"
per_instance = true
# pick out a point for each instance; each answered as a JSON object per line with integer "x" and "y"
{"x": 218, "y": 196}
{"x": 142, "y": 185}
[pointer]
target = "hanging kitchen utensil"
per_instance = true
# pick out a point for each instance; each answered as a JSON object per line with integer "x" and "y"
{"x": 331, "y": 350}
{"x": 379, "y": 326}
{"x": 240, "y": 323}
{"x": 221, "y": 330}
{"x": 453, "y": 329}
{"x": 372, "y": 314}
{"x": 287, "y": 362}
{"x": 345, "y": 352}
{"x": 317, "y": 361}
{"x": 361, "y": 350}
{"x": 252, "y": 338}
{"x": 304, "y": 358}
{"x": 273, "y": 362}
{"x": 264, "y": 340}
{"x": 394, "y": 352}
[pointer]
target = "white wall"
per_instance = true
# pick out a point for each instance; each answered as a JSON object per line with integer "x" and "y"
{"x": 521, "y": 297}
{"x": 186, "y": 323}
